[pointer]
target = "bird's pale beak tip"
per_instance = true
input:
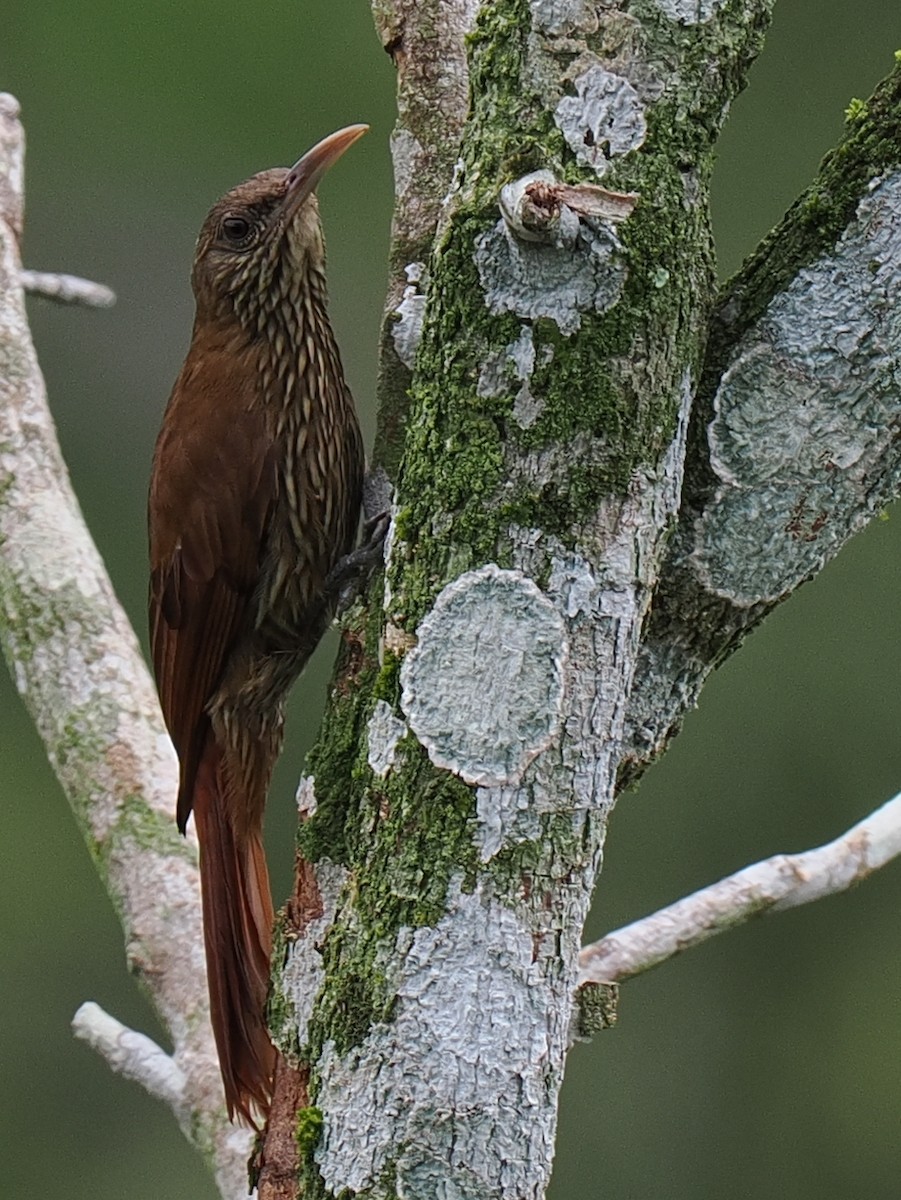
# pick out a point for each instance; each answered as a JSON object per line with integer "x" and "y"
{"x": 308, "y": 170}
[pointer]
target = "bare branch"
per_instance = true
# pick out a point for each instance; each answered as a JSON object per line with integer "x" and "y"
{"x": 781, "y": 882}
{"x": 67, "y": 289}
{"x": 132, "y": 1055}
{"x": 78, "y": 668}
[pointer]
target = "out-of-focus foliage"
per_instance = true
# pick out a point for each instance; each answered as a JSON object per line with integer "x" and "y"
{"x": 759, "y": 1066}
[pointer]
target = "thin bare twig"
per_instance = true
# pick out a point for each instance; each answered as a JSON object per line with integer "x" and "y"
{"x": 67, "y": 289}
{"x": 781, "y": 882}
{"x": 132, "y": 1055}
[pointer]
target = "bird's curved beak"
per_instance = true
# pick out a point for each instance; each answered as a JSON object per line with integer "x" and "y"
{"x": 306, "y": 173}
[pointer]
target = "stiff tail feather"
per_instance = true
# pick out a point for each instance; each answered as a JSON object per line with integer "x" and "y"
{"x": 237, "y": 933}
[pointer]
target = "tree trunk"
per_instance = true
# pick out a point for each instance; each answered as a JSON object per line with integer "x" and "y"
{"x": 541, "y": 362}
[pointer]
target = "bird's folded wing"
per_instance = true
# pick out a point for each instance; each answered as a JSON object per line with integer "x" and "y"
{"x": 211, "y": 493}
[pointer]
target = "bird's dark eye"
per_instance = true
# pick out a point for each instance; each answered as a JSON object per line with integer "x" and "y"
{"x": 235, "y": 229}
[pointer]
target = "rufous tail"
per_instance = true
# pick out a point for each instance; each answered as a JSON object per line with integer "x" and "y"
{"x": 237, "y": 933}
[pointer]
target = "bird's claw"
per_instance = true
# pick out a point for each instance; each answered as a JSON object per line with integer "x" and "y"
{"x": 350, "y": 574}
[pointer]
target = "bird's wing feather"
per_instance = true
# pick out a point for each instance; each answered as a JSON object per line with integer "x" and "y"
{"x": 211, "y": 493}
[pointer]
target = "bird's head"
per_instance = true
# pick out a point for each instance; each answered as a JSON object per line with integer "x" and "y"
{"x": 263, "y": 238}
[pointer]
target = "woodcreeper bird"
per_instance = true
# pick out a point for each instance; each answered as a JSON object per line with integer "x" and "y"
{"x": 254, "y": 500}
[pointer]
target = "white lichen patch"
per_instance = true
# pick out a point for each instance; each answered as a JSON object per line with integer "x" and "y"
{"x": 805, "y": 413}
{"x": 522, "y": 354}
{"x": 690, "y": 12}
{"x": 406, "y": 151}
{"x": 569, "y": 781}
{"x": 559, "y": 17}
{"x": 53, "y": 531}
{"x": 504, "y": 815}
{"x": 475, "y": 1014}
{"x": 534, "y": 279}
{"x": 383, "y": 733}
{"x": 515, "y": 364}
{"x": 305, "y": 797}
{"x": 604, "y": 119}
{"x": 483, "y": 688}
{"x": 406, "y": 331}
{"x": 527, "y": 407}
{"x": 303, "y": 975}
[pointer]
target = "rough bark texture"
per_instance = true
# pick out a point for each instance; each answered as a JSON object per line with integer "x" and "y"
{"x": 455, "y": 811}
{"x": 425, "y": 41}
{"x": 794, "y": 438}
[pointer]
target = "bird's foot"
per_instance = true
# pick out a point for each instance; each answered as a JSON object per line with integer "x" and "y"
{"x": 350, "y": 574}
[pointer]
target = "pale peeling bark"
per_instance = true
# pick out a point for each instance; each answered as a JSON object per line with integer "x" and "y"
{"x": 77, "y": 665}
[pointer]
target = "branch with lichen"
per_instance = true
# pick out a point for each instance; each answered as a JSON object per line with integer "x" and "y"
{"x": 78, "y": 668}
{"x": 794, "y": 441}
{"x": 67, "y": 289}
{"x": 426, "y": 42}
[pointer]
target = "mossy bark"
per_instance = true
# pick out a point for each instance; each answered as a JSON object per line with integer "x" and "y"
{"x": 544, "y": 430}
{"x": 693, "y": 628}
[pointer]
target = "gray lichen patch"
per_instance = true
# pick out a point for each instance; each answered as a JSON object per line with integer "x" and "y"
{"x": 483, "y": 688}
{"x": 516, "y": 360}
{"x": 515, "y": 364}
{"x": 604, "y": 119}
{"x": 384, "y": 731}
{"x": 504, "y": 815}
{"x": 406, "y": 152}
{"x": 559, "y": 17}
{"x": 407, "y": 330}
{"x": 303, "y": 975}
{"x": 805, "y": 413}
{"x": 527, "y": 407}
{"x": 305, "y": 797}
{"x": 533, "y": 279}
{"x": 690, "y": 12}
{"x": 476, "y": 1015}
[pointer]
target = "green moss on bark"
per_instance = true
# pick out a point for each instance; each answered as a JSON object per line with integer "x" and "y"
{"x": 308, "y": 1130}
{"x": 818, "y": 218}
{"x": 607, "y": 402}
{"x": 148, "y": 829}
{"x": 409, "y": 834}
{"x": 338, "y": 760}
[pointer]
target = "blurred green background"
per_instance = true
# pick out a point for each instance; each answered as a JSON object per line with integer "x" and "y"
{"x": 764, "y": 1064}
